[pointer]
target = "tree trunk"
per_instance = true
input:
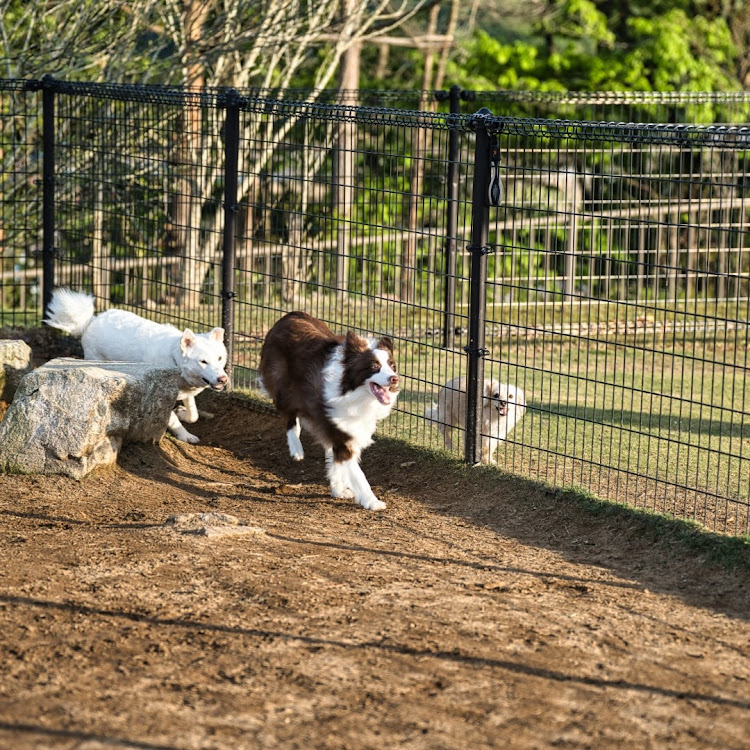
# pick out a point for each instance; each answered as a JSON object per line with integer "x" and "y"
{"x": 407, "y": 291}
{"x": 189, "y": 198}
{"x": 343, "y": 188}
{"x": 99, "y": 254}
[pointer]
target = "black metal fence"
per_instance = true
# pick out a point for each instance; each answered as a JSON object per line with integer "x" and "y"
{"x": 601, "y": 270}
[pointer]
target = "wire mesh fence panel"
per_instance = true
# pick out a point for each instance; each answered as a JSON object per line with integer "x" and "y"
{"x": 21, "y": 207}
{"x": 343, "y": 215}
{"x": 619, "y": 302}
{"x": 139, "y": 175}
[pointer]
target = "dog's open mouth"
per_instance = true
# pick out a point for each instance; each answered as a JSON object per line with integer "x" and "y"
{"x": 215, "y": 386}
{"x": 381, "y": 394}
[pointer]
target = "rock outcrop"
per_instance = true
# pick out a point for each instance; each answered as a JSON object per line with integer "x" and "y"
{"x": 70, "y": 416}
{"x": 15, "y": 362}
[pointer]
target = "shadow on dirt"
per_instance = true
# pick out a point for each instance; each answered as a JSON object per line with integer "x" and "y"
{"x": 517, "y": 667}
{"x": 670, "y": 556}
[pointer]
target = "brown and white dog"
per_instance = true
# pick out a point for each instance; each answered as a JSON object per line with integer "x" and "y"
{"x": 503, "y": 406}
{"x": 337, "y": 387}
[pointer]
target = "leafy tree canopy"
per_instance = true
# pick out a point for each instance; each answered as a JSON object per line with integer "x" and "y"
{"x": 594, "y": 45}
{"x": 500, "y": 44}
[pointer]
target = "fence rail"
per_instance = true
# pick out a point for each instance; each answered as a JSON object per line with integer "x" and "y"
{"x": 609, "y": 282}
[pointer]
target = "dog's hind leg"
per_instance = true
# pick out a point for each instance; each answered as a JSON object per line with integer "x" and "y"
{"x": 176, "y": 428}
{"x": 293, "y": 431}
{"x": 433, "y": 415}
{"x": 447, "y": 440}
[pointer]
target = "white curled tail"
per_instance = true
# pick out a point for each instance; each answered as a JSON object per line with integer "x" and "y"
{"x": 70, "y": 311}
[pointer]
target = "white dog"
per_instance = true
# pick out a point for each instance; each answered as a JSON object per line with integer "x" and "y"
{"x": 122, "y": 336}
{"x": 503, "y": 406}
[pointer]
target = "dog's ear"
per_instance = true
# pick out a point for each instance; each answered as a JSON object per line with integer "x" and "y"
{"x": 489, "y": 387}
{"x": 385, "y": 342}
{"x": 354, "y": 344}
{"x": 217, "y": 334}
{"x": 187, "y": 340}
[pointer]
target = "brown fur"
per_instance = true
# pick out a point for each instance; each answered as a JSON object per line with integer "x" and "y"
{"x": 291, "y": 364}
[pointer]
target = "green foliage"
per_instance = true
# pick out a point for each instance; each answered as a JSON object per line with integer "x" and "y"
{"x": 674, "y": 51}
{"x": 577, "y": 47}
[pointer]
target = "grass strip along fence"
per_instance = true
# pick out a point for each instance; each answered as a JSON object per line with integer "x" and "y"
{"x": 601, "y": 267}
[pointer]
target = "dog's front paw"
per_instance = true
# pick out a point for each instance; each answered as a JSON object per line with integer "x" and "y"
{"x": 371, "y": 503}
{"x": 187, "y": 437}
{"x": 206, "y": 414}
{"x": 185, "y": 415}
{"x": 341, "y": 491}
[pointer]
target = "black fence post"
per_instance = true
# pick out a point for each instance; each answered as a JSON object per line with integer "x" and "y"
{"x": 449, "y": 320}
{"x": 231, "y": 208}
{"x": 479, "y": 247}
{"x": 49, "y": 249}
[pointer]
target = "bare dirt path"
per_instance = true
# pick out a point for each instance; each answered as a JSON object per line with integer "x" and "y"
{"x": 476, "y": 611}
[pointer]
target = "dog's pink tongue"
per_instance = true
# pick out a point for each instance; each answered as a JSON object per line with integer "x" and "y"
{"x": 380, "y": 394}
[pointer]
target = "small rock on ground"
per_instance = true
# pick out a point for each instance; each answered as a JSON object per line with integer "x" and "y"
{"x": 210, "y": 525}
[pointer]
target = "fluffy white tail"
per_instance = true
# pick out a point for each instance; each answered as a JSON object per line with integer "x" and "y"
{"x": 70, "y": 311}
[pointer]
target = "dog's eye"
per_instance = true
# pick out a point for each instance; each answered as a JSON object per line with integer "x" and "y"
{"x": 204, "y": 362}
{"x": 510, "y": 397}
{"x": 375, "y": 367}
{"x": 495, "y": 395}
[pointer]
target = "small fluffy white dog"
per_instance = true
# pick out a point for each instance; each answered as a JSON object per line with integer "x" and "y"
{"x": 503, "y": 406}
{"x": 122, "y": 336}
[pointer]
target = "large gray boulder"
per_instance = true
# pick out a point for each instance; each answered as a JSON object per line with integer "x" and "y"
{"x": 15, "y": 362}
{"x": 70, "y": 416}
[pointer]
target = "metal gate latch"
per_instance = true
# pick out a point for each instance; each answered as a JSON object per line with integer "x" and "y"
{"x": 495, "y": 192}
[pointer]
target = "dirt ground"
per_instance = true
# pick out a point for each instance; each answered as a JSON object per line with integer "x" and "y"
{"x": 476, "y": 611}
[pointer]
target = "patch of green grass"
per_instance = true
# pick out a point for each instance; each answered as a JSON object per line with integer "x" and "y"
{"x": 650, "y": 427}
{"x": 727, "y": 551}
